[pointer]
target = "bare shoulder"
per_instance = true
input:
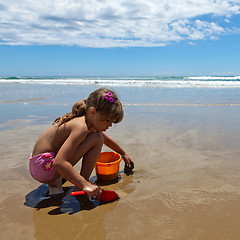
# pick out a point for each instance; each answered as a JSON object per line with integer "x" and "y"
{"x": 78, "y": 126}
{"x": 54, "y": 137}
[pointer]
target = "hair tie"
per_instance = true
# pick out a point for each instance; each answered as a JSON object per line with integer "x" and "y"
{"x": 108, "y": 97}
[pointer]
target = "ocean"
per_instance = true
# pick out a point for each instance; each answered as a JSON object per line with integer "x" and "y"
{"x": 161, "y": 82}
{"x": 21, "y": 97}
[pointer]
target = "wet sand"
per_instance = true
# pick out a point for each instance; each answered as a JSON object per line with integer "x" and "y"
{"x": 185, "y": 184}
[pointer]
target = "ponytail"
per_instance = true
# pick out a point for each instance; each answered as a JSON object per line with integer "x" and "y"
{"x": 78, "y": 110}
{"x": 109, "y": 109}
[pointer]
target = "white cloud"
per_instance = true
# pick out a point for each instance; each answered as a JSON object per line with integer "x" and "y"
{"x": 113, "y": 23}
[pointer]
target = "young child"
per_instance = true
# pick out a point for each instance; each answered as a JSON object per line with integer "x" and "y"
{"x": 76, "y": 135}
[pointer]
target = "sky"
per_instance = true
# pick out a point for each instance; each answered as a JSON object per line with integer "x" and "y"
{"x": 119, "y": 37}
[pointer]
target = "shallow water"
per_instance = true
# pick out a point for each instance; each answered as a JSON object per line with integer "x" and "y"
{"x": 185, "y": 183}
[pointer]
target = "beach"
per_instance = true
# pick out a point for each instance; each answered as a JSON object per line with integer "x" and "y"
{"x": 185, "y": 145}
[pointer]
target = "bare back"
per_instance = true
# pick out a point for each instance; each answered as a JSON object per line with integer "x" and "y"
{"x": 53, "y": 138}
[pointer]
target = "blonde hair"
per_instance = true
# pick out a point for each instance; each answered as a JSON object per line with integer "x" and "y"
{"x": 108, "y": 110}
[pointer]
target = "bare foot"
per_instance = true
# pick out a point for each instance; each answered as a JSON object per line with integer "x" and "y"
{"x": 56, "y": 187}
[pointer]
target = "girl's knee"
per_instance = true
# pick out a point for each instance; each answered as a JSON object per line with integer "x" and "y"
{"x": 96, "y": 137}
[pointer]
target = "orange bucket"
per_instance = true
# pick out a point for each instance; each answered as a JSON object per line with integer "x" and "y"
{"x": 107, "y": 166}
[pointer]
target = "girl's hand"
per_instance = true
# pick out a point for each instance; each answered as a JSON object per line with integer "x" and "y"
{"x": 92, "y": 190}
{"x": 128, "y": 161}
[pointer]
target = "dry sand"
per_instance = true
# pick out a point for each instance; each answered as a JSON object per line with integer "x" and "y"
{"x": 185, "y": 184}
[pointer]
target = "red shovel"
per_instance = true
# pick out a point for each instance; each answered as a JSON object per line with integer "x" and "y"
{"x": 106, "y": 195}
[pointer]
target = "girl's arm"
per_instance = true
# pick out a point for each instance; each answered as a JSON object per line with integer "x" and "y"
{"x": 63, "y": 165}
{"x": 109, "y": 142}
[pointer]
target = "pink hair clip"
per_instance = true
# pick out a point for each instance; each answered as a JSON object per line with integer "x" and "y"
{"x": 108, "y": 97}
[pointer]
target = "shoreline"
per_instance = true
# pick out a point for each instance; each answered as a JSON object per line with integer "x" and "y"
{"x": 28, "y": 102}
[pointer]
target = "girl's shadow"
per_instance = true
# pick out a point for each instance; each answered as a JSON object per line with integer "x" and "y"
{"x": 64, "y": 203}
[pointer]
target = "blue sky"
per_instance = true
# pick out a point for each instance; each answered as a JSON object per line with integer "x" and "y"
{"x": 145, "y": 37}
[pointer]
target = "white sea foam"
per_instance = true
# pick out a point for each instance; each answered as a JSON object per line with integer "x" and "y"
{"x": 214, "y": 78}
{"x": 163, "y": 82}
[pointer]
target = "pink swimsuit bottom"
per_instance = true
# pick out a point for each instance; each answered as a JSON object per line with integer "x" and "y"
{"x": 41, "y": 167}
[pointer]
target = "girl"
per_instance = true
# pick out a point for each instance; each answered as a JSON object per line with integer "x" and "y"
{"x": 73, "y": 136}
